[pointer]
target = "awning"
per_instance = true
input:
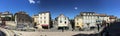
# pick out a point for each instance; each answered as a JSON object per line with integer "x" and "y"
{"x": 44, "y": 24}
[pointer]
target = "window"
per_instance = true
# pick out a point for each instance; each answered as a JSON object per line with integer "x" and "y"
{"x": 107, "y": 19}
{"x": 44, "y": 13}
{"x": 90, "y": 14}
{"x": 77, "y": 19}
{"x": 44, "y": 21}
{"x": 40, "y": 14}
{"x": 98, "y": 17}
{"x": 40, "y": 21}
{"x": 60, "y": 21}
{"x": 84, "y": 14}
{"x": 44, "y": 17}
{"x": 65, "y": 18}
{"x": 77, "y": 23}
{"x": 65, "y": 22}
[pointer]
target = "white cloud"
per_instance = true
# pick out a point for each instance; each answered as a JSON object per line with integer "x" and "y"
{"x": 31, "y": 1}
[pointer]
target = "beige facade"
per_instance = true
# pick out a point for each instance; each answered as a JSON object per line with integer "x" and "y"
{"x": 91, "y": 19}
{"x": 78, "y": 22}
{"x": 35, "y": 19}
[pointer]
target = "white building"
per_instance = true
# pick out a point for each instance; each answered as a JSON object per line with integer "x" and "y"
{"x": 62, "y": 21}
{"x": 89, "y": 18}
{"x": 103, "y": 17}
{"x": 42, "y": 20}
{"x": 23, "y": 20}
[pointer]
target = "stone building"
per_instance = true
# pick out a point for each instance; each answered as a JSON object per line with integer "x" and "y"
{"x": 23, "y": 20}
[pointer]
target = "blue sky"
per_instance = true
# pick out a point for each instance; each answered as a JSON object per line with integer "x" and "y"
{"x": 69, "y": 8}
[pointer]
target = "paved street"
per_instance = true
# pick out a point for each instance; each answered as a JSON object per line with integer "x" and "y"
{"x": 66, "y": 33}
{"x": 53, "y": 33}
{"x": 60, "y": 33}
{"x": 112, "y": 30}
